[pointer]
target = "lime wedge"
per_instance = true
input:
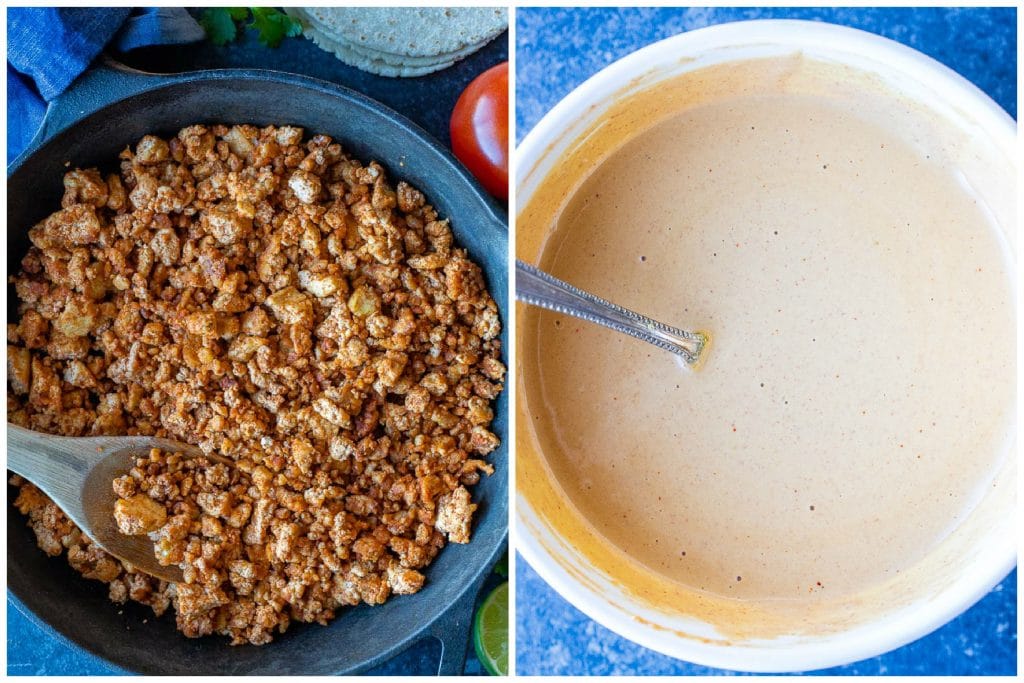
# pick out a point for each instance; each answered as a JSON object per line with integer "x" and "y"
{"x": 490, "y": 631}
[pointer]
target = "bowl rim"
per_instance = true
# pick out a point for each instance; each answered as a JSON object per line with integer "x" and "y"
{"x": 548, "y": 139}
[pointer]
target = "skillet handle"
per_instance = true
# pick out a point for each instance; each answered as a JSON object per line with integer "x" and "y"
{"x": 102, "y": 84}
{"x": 453, "y": 629}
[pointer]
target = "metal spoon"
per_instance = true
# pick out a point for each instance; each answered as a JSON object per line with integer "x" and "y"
{"x": 77, "y": 473}
{"x": 537, "y": 288}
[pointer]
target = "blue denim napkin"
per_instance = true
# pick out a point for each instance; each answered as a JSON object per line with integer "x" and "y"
{"x": 49, "y": 47}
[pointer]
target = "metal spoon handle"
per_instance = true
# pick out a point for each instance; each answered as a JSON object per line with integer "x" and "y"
{"x": 537, "y": 288}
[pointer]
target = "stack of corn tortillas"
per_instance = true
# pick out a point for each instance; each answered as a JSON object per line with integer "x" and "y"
{"x": 401, "y": 41}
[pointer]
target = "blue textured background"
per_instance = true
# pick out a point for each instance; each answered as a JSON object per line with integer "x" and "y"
{"x": 556, "y": 50}
{"x": 31, "y": 651}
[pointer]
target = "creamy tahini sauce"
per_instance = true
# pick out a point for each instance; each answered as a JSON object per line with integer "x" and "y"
{"x": 859, "y": 386}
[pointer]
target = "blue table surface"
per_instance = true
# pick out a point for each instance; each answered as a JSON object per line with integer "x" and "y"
{"x": 428, "y": 102}
{"x": 556, "y": 50}
{"x": 32, "y": 651}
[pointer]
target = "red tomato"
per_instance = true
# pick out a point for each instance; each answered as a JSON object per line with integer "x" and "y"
{"x": 479, "y": 129}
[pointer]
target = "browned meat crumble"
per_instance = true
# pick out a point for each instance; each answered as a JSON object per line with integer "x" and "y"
{"x": 276, "y": 302}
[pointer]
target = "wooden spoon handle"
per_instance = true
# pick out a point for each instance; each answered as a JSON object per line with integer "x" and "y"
{"x": 58, "y": 465}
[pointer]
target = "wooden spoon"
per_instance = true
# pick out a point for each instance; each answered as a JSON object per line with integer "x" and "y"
{"x": 77, "y": 473}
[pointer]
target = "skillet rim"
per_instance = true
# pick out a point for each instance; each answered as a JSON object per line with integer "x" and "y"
{"x": 70, "y": 110}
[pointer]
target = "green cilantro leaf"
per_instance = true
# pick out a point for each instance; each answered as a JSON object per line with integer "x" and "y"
{"x": 273, "y": 25}
{"x": 219, "y": 23}
{"x": 238, "y": 13}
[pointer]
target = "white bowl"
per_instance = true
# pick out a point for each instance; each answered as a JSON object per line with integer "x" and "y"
{"x": 965, "y": 566}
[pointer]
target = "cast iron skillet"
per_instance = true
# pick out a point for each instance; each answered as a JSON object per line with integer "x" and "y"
{"x": 105, "y": 110}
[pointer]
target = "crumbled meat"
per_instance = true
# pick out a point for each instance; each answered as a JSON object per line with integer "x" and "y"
{"x": 454, "y": 514}
{"x": 280, "y": 304}
{"x": 139, "y": 515}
